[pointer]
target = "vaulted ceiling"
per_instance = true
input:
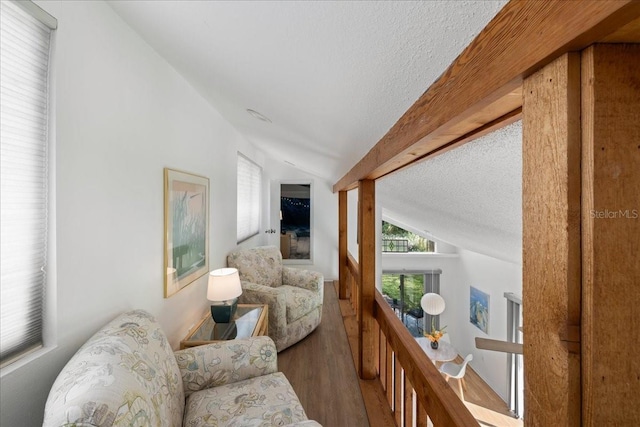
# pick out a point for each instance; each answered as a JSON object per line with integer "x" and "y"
{"x": 470, "y": 197}
{"x": 332, "y": 78}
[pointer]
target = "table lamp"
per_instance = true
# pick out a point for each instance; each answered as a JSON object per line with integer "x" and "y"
{"x": 223, "y": 292}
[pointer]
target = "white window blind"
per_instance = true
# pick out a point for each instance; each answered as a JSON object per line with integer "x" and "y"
{"x": 249, "y": 189}
{"x": 24, "y": 122}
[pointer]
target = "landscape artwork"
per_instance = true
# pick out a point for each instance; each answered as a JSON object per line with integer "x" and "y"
{"x": 186, "y": 199}
{"x": 479, "y": 309}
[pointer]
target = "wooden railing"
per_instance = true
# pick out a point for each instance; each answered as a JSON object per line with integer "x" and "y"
{"x": 353, "y": 278}
{"x": 415, "y": 389}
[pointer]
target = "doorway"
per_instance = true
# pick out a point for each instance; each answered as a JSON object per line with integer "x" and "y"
{"x": 296, "y": 222}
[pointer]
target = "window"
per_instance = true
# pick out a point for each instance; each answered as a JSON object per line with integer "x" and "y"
{"x": 403, "y": 291}
{"x": 249, "y": 196}
{"x": 515, "y": 365}
{"x": 25, "y": 36}
{"x": 397, "y": 239}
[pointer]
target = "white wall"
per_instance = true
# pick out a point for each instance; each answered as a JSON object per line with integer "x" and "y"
{"x": 324, "y": 205}
{"x": 123, "y": 114}
{"x": 494, "y": 277}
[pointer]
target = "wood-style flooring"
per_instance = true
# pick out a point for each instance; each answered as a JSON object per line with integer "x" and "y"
{"x": 322, "y": 372}
{"x": 486, "y": 406}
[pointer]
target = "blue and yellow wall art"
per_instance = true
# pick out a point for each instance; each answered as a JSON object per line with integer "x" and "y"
{"x": 479, "y": 309}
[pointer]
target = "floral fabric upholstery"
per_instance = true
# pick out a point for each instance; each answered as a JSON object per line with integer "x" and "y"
{"x": 294, "y": 296}
{"x": 299, "y": 302}
{"x": 226, "y": 362}
{"x": 127, "y": 375}
{"x": 124, "y": 375}
{"x": 268, "y": 400}
{"x": 261, "y": 265}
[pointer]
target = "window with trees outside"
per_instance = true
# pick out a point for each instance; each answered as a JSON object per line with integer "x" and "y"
{"x": 396, "y": 239}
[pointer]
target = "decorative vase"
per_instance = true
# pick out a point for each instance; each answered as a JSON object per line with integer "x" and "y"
{"x": 434, "y": 345}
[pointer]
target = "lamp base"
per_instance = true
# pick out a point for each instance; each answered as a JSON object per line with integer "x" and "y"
{"x": 223, "y": 313}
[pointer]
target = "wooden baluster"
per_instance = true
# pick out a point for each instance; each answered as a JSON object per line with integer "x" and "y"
{"x": 398, "y": 391}
{"x": 382, "y": 357}
{"x": 408, "y": 402}
{"x": 421, "y": 414}
{"x": 389, "y": 375}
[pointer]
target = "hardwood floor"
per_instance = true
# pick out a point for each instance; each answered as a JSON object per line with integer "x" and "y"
{"x": 486, "y": 406}
{"x": 321, "y": 370}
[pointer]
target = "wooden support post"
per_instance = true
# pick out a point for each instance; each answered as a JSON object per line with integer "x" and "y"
{"x": 551, "y": 243}
{"x": 342, "y": 244}
{"x": 367, "y": 262}
{"x": 610, "y": 235}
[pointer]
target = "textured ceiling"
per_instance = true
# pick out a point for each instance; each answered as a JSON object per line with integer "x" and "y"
{"x": 470, "y": 197}
{"x": 332, "y": 76}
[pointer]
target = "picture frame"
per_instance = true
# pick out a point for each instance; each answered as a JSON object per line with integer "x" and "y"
{"x": 479, "y": 309}
{"x": 186, "y": 229}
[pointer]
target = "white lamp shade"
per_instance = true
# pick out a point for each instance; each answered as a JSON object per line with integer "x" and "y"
{"x": 432, "y": 304}
{"x": 224, "y": 284}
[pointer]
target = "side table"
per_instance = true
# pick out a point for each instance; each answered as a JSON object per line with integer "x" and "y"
{"x": 250, "y": 320}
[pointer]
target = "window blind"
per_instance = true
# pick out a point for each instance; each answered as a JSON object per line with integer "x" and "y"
{"x": 249, "y": 195}
{"x": 24, "y": 121}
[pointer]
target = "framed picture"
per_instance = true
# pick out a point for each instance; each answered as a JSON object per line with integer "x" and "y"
{"x": 479, "y": 309}
{"x": 186, "y": 229}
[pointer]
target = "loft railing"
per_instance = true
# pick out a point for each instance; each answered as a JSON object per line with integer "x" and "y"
{"x": 352, "y": 281}
{"x": 415, "y": 389}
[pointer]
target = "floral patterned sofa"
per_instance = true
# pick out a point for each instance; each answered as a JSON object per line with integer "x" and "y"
{"x": 127, "y": 375}
{"x": 294, "y": 296}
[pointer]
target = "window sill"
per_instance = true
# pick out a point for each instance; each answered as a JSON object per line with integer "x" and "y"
{"x": 418, "y": 255}
{"x": 24, "y": 360}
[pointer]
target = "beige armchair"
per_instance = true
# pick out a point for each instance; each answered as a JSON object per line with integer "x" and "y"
{"x": 294, "y": 296}
{"x": 127, "y": 375}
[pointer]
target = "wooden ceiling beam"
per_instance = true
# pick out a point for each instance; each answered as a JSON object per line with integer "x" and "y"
{"x": 485, "y": 82}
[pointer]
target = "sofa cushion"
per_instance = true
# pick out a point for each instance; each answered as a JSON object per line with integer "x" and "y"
{"x": 299, "y": 302}
{"x": 261, "y": 265}
{"x": 126, "y": 374}
{"x": 263, "y": 401}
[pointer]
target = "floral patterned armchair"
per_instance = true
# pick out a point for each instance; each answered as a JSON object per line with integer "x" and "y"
{"x": 294, "y": 296}
{"x": 127, "y": 375}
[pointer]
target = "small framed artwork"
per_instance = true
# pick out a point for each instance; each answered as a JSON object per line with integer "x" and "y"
{"x": 479, "y": 309}
{"x": 186, "y": 229}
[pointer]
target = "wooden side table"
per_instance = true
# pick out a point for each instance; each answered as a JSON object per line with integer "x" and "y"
{"x": 250, "y": 320}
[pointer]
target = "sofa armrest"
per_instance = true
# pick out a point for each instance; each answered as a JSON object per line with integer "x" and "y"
{"x": 252, "y": 293}
{"x": 307, "y": 279}
{"x": 226, "y": 362}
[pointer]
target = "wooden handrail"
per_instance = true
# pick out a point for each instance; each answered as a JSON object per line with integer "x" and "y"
{"x": 353, "y": 279}
{"x": 442, "y": 404}
{"x": 352, "y": 265}
{"x": 400, "y": 355}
